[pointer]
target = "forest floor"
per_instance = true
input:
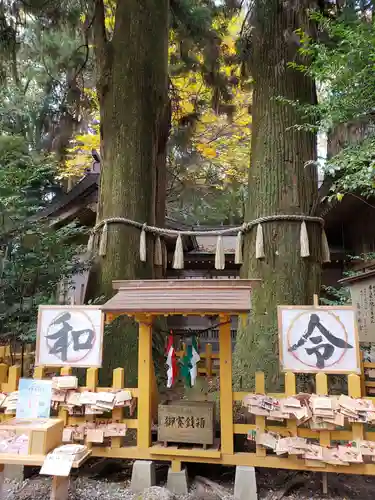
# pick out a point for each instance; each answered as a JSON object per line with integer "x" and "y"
{"x": 110, "y": 480}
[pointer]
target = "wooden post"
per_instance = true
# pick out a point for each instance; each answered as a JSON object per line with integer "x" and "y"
{"x": 63, "y": 412}
{"x": 91, "y": 383}
{"x": 39, "y": 372}
{"x": 13, "y": 378}
{"x": 290, "y": 390}
{"x": 92, "y": 379}
{"x": 118, "y": 413}
{"x": 260, "y": 422}
{"x": 144, "y": 381}
{"x": 28, "y": 357}
{"x": 321, "y": 384}
{"x": 3, "y": 373}
{"x": 316, "y": 300}
{"x": 226, "y": 390}
{"x": 66, "y": 371}
{"x": 60, "y": 488}
{"x": 176, "y": 466}
{"x": 354, "y": 389}
{"x": 363, "y": 378}
{"x": 209, "y": 360}
{"x": 321, "y": 381}
{"x": 154, "y": 395}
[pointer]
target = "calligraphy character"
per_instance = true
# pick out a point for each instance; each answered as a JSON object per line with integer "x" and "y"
{"x": 328, "y": 348}
{"x": 62, "y": 337}
{"x": 321, "y": 357}
{"x": 180, "y": 422}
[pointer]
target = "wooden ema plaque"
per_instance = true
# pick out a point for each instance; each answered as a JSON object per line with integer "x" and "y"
{"x": 186, "y": 422}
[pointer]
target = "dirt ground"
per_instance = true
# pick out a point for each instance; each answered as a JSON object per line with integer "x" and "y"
{"x": 109, "y": 480}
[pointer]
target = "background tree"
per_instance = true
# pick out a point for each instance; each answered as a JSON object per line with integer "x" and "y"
{"x": 44, "y": 56}
{"x": 342, "y": 64}
{"x": 207, "y": 150}
{"x": 132, "y": 85}
{"x": 282, "y": 180}
{"x": 35, "y": 258}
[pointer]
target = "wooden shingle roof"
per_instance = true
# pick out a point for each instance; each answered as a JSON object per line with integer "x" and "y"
{"x": 215, "y": 296}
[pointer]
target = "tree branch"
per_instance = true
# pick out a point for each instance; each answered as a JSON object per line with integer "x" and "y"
{"x": 100, "y": 35}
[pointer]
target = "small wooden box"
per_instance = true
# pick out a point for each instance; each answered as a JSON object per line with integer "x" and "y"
{"x": 186, "y": 422}
{"x": 44, "y": 434}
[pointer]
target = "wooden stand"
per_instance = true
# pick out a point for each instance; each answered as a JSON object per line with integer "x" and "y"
{"x": 60, "y": 488}
{"x": 60, "y": 485}
{"x": 44, "y": 434}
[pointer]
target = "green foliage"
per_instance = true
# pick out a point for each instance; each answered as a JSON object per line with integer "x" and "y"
{"x": 35, "y": 258}
{"x": 343, "y": 65}
{"x": 344, "y": 68}
{"x": 353, "y": 169}
{"x": 208, "y": 147}
{"x": 42, "y": 65}
{"x": 335, "y": 296}
{"x": 340, "y": 296}
{"x": 209, "y": 142}
{"x": 201, "y": 195}
{"x": 25, "y": 177}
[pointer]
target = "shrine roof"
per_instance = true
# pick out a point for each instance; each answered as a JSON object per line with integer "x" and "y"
{"x": 231, "y": 296}
{"x": 358, "y": 277}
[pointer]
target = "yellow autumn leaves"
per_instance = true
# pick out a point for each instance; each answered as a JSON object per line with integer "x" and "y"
{"x": 220, "y": 136}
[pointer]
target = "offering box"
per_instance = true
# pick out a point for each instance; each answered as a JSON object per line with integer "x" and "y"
{"x": 186, "y": 422}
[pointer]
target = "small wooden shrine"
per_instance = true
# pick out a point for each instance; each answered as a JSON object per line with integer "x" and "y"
{"x": 145, "y": 300}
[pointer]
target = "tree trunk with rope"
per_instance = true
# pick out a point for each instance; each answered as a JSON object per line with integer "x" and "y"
{"x": 281, "y": 181}
{"x": 134, "y": 124}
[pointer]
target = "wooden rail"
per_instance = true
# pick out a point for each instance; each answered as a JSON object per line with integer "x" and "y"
{"x": 11, "y": 357}
{"x": 227, "y": 454}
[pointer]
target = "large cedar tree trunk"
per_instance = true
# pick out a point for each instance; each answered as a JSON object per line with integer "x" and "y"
{"x": 133, "y": 96}
{"x": 279, "y": 183}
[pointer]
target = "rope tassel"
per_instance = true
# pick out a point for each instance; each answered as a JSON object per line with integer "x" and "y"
{"x": 90, "y": 243}
{"x": 326, "y": 254}
{"x": 142, "y": 245}
{"x": 304, "y": 241}
{"x": 103, "y": 241}
{"x": 158, "y": 256}
{"x": 219, "y": 255}
{"x": 259, "y": 243}
{"x": 238, "y": 256}
{"x": 178, "y": 258}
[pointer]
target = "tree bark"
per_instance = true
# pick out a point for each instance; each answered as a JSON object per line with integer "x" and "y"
{"x": 133, "y": 95}
{"x": 279, "y": 183}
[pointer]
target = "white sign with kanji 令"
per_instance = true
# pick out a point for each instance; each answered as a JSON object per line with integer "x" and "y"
{"x": 318, "y": 339}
